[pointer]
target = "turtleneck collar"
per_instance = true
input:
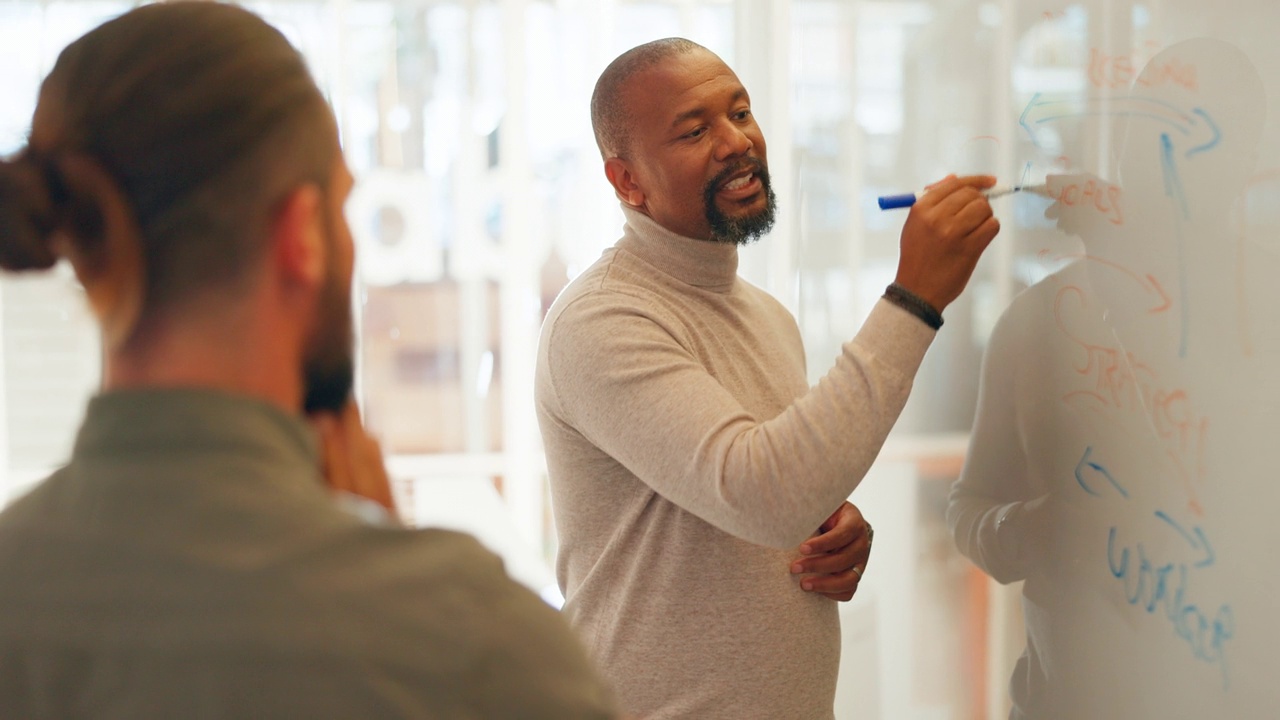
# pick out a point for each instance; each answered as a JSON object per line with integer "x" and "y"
{"x": 700, "y": 263}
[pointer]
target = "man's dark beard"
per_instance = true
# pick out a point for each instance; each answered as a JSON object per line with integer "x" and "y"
{"x": 328, "y": 379}
{"x": 740, "y": 230}
{"x": 328, "y": 370}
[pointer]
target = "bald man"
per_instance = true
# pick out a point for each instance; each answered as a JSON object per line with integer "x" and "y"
{"x": 690, "y": 462}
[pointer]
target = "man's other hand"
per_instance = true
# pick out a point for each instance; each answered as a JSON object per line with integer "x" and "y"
{"x": 351, "y": 459}
{"x": 835, "y": 558}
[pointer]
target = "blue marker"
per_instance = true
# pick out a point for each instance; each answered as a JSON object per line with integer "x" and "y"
{"x": 893, "y": 202}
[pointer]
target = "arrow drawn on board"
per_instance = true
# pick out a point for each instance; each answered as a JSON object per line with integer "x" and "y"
{"x": 1195, "y": 537}
{"x": 1084, "y": 467}
{"x": 1177, "y": 193}
{"x": 1217, "y": 134}
{"x": 1197, "y": 125}
{"x": 1148, "y": 283}
{"x": 1035, "y": 100}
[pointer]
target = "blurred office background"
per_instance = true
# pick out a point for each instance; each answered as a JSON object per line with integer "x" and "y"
{"x": 480, "y": 194}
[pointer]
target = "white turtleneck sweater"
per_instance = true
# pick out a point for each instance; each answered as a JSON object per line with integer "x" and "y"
{"x": 689, "y": 459}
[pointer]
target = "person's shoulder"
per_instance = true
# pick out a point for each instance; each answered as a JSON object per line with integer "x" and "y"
{"x": 760, "y": 295}
{"x": 420, "y": 588}
{"x": 590, "y": 281}
{"x": 611, "y": 290}
{"x": 765, "y": 301}
{"x": 445, "y": 606}
{"x": 424, "y": 575}
{"x": 401, "y": 555}
{"x": 1032, "y": 310}
{"x": 27, "y": 524}
{"x": 36, "y": 504}
{"x": 616, "y": 277}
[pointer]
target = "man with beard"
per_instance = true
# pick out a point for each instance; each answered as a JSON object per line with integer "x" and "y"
{"x": 688, "y": 457}
{"x": 188, "y": 561}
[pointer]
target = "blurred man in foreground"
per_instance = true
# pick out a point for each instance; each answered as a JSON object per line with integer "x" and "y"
{"x": 189, "y": 561}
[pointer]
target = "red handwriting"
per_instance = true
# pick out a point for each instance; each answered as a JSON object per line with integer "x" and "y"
{"x": 1161, "y": 301}
{"x": 1117, "y": 381}
{"x": 1101, "y": 195}
{"x": 1118, "y": 71}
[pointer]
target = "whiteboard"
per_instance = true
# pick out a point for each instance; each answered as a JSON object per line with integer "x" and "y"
{"x": 1128, "y": 423}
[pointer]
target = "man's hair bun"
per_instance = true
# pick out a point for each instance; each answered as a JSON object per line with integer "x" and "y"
{"x": 27, "y": 216}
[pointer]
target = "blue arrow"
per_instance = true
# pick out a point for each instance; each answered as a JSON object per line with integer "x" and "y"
{"x": 1085, "y": 463}
{"x": 1217, "y": 133}
{"x": 1197, "y": 542}
{"x": 1023, "y": 120}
